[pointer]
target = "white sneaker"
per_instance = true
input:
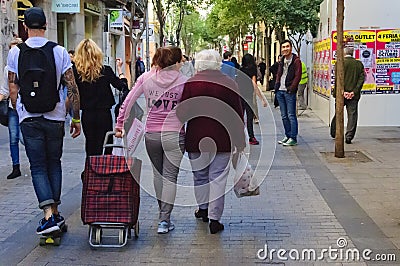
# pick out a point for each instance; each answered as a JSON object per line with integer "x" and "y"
{"x": 164, "y": 227}
{"x": 283, "y": 140}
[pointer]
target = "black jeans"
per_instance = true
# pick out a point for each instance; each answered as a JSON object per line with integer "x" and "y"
{"x": 352, "y": 117}
{"x": 250, "y": 116}
{"x": 95, "y": 124}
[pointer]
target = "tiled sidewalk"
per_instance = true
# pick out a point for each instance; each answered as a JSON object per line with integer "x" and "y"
{"x": 304, "y": 204}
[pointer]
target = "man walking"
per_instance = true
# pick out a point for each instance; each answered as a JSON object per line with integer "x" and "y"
{"x": 302, "y": 87}
{"x": 228, "y": 67}
{"x": 35, "y": 71}
{"x": 353, "y": 82}
{"x": 287, "y": 82}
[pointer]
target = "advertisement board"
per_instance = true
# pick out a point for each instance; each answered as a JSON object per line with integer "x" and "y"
{"x": 364, "y": 44}
{"x": 388, "y": 61}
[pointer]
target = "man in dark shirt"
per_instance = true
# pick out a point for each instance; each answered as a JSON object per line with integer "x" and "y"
{"x": 353, "y": 82}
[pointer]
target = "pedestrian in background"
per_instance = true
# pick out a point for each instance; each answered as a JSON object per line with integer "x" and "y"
{"x": 139, "y": 67}
{"x": 235, "y": 62}
{"x": 96, "y": 96}
{"x": 43, "y": 131}
{"x": 354, "y": 76}
{"x": 287, "y": 82}
{"x": 13, "y": 122}
{"x": 187, "y": 68}
{"x": 274, "y": 71}
{"x": 162, "y": 87}
{"x": 263, "y": 67}
{"x": 302, "y": 87}
{"x": 247, "y": 82}
{"x": 228, "y": 67}
{"x": 210, "y": 159}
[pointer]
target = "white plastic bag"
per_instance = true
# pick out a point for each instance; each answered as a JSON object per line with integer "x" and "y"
{"x": 134, "y": 136}
{"x": 244, "y": 183}
{"x": 131, "y": 140}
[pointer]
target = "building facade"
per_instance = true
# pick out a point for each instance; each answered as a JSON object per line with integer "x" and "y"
{"x": 373, "y": 30}
{"x": 70, "y": 21}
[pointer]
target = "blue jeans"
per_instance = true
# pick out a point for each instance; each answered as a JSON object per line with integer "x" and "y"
{"x": 287, "y": 104}
{"x": 43, "y": 145}
{"x": 15, "y": 136}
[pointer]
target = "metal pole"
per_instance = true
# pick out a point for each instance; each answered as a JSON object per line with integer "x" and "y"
{"x": 147, "y": 40}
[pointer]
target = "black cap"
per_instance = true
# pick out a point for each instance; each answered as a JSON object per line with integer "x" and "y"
{"x": 34, "y": 18}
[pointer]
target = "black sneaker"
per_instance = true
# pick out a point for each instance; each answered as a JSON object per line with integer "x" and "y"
{"x": 348, "y": 141}
{"x": 202, "y": 213}
{"x": 215, "y": 226}
{"x": 47, "y": 226}
{"x": 59, "y": 219}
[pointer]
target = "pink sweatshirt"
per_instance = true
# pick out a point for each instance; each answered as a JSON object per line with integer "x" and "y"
{"x": 163, "y": 91}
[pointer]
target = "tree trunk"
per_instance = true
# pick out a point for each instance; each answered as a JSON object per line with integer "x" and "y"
{"x": 161, "y": 19}
{"x": 133, "y": 43}
{"x": 268, "y": 32}
{"x": 255, "y": 40}
{"x": 339, "y": 71}
{"x": 179, "y": 27}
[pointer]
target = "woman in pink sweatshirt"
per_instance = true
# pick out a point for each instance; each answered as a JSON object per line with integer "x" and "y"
{"x": 164, "y": 137}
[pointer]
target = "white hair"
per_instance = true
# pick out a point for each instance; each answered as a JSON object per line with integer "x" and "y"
{"x": 349, "y": 50}
{"x": 208, "y": 60}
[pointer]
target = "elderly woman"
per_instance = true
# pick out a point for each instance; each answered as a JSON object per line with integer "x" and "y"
{"x": 212, "y": 108}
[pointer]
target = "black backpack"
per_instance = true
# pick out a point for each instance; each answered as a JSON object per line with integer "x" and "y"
{"x": 37, "y": 78}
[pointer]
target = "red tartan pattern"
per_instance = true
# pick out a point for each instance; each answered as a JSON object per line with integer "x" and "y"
{"x": 109, "y": 193}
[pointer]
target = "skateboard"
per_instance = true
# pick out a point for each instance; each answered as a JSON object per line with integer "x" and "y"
{"x": 53, "y": 238}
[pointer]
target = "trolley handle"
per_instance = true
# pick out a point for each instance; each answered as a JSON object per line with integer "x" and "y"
{"x": 113, "y": 145}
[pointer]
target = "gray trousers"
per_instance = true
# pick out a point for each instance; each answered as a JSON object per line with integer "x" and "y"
{"x": 352, "y": 117}
{"x": 210, "y": 176}
{"x": 300, "y": 93}
{"x": 165, "y": 151}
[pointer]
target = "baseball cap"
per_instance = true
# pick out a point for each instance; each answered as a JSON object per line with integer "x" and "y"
{"x": 34, "y": 18}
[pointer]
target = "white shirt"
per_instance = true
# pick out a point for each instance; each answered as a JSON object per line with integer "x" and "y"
{"x": 62, "y": 62}
{"x": 286, "y": 63}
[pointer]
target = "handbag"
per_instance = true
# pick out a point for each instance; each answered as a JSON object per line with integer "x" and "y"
{"x": 244, "y": 182}
{"x": 4, "y": 113}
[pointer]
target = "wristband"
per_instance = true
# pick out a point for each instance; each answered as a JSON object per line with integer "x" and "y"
{"x": 120, "y": 74}
{"x": 75, "y": 120}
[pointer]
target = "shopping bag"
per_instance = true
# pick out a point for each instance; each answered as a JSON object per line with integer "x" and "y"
{"x": 134, "y": 136}
{"x": 244, "y": 182}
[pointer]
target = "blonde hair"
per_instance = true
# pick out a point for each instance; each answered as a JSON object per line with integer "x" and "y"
{"x": 88, "y": 60}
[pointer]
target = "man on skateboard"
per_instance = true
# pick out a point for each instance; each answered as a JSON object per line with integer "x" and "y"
{"x": 36, "y": 70}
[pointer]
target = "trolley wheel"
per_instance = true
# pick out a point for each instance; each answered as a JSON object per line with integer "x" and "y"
{"x": 98, "y": 234}
{"x": 137, "y": 229}
{"x": 121, "y": 236}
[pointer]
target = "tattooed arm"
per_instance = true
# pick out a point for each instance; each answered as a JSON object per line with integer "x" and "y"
{"x": 68, "y": 80}
{"x": 13, "y": 87}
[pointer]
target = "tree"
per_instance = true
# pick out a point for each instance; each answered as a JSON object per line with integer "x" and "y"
{"x": 339, "y": 138}
{"x": 296, "y": 16}
{"x": 138, "y": 35}
{"x": 161, "y": 8}
{"x": 192, "y": 32}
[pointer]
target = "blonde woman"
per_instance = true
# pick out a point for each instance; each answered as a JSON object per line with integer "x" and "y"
{"x": 94, "y": 80}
